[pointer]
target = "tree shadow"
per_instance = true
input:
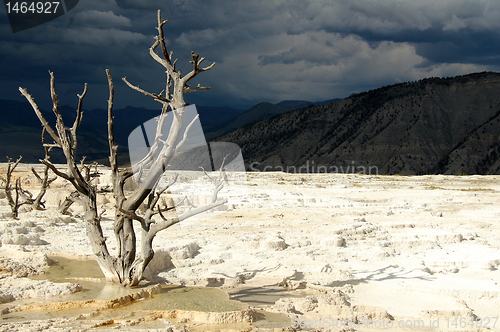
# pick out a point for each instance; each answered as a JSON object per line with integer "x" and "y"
{"x": 248, "y": 274}
{"x": 381, "y": 274}
{"x": 258, "y": 296}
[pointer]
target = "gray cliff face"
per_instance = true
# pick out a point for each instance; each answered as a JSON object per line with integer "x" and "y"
{"x": 449, "y": 126}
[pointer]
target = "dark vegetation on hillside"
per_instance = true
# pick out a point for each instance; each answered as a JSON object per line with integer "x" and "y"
{"x": 434, "y": 125}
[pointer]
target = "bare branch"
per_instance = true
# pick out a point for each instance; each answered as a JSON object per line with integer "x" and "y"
{"x": 187, "y": 89}
{"x": 111, "y": 135}
{"x": 16, "y": 163}
{"x": 170, "y": 222}
{"x": 196, "y": 67}
{"x": 124, "y": 175}
{"x": 36, "y": 174}
{"x": 54, "y": 145}
{"x": 184, "y": 138}
{"x": 153, "y": 201}
{"x": 152, "y": 156}
{"x": 118, "y": 180}
{"x": 165, "y": 63}
{"x": 61, "y": 129}
{"x": 38, "y": 113}
{"x": 56, "y": 171}
{"x": 219, "y": 181}
{"x": 87, "y": 171}
{"x": 78, "y": 119}
{"x": 160, "y": 212}
{"x": 76, "y": 177}
{"x": 25, "y": 194}
{"x": 132, "y": 215}
{"x": 160, "y": 41}
{"x": 161, "y": 37}
{"x": 158, "y": 98}
{"x": 169, "y": 86}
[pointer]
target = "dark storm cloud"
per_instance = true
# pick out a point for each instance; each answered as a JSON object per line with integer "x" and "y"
{"x": 468, "y": 28}
{"x": 144, "y": 4}
{"x": 265, "y": 50}
{"x": 100, "y": 19}
{"x": 464, "y": 46}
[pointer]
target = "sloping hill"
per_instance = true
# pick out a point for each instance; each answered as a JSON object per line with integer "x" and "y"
{"x": 214, "y": 116}
{"x": 294, "y": 104}
{"x": 435, "y": 125}
{"x": 297, "y": 104}
{"x": 258, "y": 112}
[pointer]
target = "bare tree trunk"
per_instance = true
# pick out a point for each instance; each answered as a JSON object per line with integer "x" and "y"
{"x": 106, "y": 262}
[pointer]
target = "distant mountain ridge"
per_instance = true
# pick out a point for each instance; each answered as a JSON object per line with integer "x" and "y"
{"x": 20, "y": 129}
{"x": 256, "y": 113}
{"x": 259, "y": 112}
{"x": 294, "y": 104}
{"x": 435, "y": 125}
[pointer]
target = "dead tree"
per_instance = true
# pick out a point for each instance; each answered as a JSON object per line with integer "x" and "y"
{"x": 21, "y": 196}
{"x": 127, "y": 266}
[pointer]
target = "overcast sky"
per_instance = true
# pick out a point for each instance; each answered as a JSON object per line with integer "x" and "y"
{"x": 264, "y": 50}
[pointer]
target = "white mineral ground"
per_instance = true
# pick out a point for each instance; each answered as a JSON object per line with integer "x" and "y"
{"x": 421, "y": 251}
